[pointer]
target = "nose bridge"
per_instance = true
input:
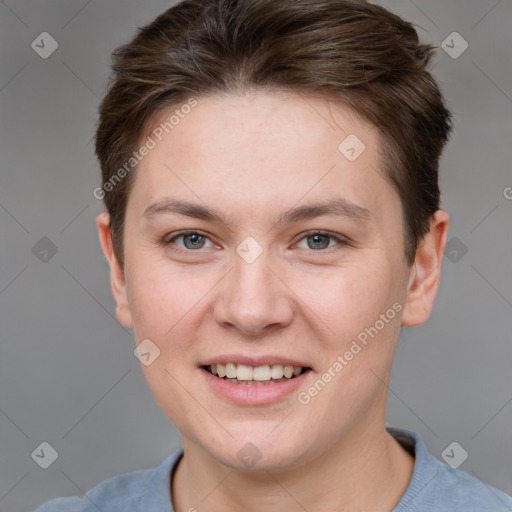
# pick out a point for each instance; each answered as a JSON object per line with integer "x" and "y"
{"x": 252, "y": 298}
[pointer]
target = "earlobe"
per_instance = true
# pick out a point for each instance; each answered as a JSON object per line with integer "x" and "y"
{"x": 117, "y": 275}
{"x": 426, "y": 272}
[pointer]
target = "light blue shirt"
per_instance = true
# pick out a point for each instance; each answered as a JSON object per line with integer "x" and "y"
{"x": 434, "y": 487}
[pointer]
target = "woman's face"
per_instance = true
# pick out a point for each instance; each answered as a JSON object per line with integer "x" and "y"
{"x": 265, "y": 280}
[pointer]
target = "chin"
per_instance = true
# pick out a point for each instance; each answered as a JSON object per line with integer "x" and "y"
{"x": 260, "y": 454}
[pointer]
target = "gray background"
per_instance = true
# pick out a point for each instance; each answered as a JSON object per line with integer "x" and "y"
{"x": 67, "y": 372}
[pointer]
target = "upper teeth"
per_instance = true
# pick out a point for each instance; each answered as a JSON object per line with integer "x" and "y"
{"x": 245, "y": 372}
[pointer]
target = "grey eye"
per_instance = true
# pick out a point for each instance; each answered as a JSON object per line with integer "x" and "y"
{"x": 319, "y": 241}
{"x": 196, "y": 241}
{"x": 191, "y": 240}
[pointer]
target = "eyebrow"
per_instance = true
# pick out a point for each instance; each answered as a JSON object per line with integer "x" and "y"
{"x": 338, "y": 207}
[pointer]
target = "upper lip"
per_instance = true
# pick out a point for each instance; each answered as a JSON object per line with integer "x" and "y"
{"x": 262, "y": 360}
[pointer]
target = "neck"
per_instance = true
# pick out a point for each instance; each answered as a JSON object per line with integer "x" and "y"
{"x": 366, "y": 470}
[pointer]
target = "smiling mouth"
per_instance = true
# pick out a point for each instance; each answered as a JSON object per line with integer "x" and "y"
{"x": 255, "y": 376}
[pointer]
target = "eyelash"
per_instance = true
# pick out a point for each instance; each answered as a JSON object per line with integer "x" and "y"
{"x": 340, "y": 241}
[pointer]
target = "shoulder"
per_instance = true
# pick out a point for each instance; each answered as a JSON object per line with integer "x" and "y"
{"x": 436, "y": 487}
{"x": 455, "y": 490}
{"x": 128, "y": 491}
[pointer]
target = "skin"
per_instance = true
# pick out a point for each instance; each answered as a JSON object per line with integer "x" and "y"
{"x": 252, "y": 156}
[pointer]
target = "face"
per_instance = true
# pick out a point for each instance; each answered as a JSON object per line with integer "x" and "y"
{"x": 253, "y": 238}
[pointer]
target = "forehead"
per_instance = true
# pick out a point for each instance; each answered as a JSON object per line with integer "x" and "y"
{"x": 254, "y": 122}
{"x": 261, "y": 148}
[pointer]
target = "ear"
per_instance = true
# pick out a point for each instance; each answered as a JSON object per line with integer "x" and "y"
{"x": 117, "y": 278}
{"x": 426, "y": 271}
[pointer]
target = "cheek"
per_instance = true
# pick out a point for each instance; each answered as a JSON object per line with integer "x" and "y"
{"x": 348, "y": 299}
{"x": 361, "y": 307}
{"x": 165, "y": 305}
{"x": 162, "y": 297}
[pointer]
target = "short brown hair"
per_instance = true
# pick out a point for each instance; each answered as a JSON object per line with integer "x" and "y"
{"x": 357, "y": 53}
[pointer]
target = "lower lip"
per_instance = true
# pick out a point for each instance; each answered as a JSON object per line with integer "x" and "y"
{"x": 250, "y": 394}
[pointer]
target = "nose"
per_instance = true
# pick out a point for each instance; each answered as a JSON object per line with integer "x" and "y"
{"x": 253, "y": 299}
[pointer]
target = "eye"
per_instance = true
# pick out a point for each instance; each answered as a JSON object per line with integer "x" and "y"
{"x": 319, "y": 240}
{"x": 191, "y": 240}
